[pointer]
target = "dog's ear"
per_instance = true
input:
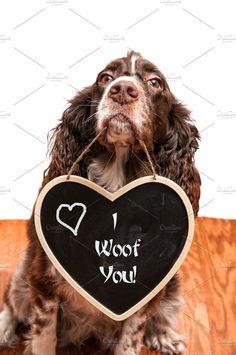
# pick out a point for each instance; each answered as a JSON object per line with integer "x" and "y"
{"x": 75, "y": 129}
{"x": 175, "y": 156}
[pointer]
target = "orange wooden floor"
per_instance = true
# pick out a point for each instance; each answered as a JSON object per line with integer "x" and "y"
{"x": 208, "y": 279}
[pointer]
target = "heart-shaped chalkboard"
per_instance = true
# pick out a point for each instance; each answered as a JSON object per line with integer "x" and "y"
{"x": 118, "y": 250}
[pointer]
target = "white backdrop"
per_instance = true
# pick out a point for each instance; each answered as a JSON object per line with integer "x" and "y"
{"x": 49, "y": 49}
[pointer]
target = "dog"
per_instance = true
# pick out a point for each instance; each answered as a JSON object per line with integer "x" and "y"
{"x": 132, "y": 100}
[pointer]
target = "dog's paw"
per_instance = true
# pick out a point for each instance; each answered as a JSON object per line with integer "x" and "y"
{"x": 7, "y": 328}
{"x": 166, "y": 342}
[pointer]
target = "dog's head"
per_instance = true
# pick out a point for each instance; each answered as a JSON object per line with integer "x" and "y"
{"x": 132, "y": 99}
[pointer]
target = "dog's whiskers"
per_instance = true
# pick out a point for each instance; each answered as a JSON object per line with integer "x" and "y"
{"x": 91, "y": 116}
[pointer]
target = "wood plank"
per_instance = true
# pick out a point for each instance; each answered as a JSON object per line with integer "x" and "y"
{"x": 208, "y": 281}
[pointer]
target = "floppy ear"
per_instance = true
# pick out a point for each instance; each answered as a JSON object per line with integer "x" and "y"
{"x": 71, "y": 135}
{"x": 175, "y": 156}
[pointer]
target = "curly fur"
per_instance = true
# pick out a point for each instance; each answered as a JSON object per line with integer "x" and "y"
{"x": 56, "y": 312}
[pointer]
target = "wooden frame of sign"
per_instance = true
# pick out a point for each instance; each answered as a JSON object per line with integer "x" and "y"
{"x": 112, "y": 197}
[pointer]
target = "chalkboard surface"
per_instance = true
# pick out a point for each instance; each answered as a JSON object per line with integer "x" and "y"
{"x": 118, "y": 250}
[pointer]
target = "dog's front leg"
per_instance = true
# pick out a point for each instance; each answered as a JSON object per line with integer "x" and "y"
{"x": 131, "y": 338}
{"x": 43, "y": 338}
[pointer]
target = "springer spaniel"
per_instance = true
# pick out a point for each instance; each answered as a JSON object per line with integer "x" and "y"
{"x": 132, "y": 99}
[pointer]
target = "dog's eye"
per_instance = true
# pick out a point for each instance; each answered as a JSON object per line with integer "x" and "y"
{"x": 153, "y": 82}
{"x": 106, "y": 78}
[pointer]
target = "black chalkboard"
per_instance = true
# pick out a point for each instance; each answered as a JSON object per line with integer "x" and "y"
{"x": 115, "y": 248}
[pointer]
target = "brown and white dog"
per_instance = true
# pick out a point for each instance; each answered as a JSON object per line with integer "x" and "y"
{"x": 132, "y": 99}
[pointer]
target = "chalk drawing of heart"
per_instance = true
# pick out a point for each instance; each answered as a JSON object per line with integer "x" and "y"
{"x": 70, "y": 208}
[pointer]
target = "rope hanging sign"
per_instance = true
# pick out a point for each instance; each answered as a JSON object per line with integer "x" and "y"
{"x": 118, "y": 250}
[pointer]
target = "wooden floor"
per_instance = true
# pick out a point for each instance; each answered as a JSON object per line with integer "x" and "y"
{"x": 208, "y": 279}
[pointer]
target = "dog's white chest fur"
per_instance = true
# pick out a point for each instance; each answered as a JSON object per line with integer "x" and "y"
{"x": 110, "y": 175}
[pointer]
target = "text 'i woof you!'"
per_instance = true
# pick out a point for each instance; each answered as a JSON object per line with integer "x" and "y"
{"x": 108, "y": 248}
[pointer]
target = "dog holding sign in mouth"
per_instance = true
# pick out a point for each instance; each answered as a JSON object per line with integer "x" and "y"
{"x": 132, "y": 100}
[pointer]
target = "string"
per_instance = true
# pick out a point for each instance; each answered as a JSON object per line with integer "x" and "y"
{"x": 86, "y": 149}
{"x": 143, "y": 145}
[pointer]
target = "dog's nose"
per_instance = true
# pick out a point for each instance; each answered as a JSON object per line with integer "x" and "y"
{"x": 124, "y": 92}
